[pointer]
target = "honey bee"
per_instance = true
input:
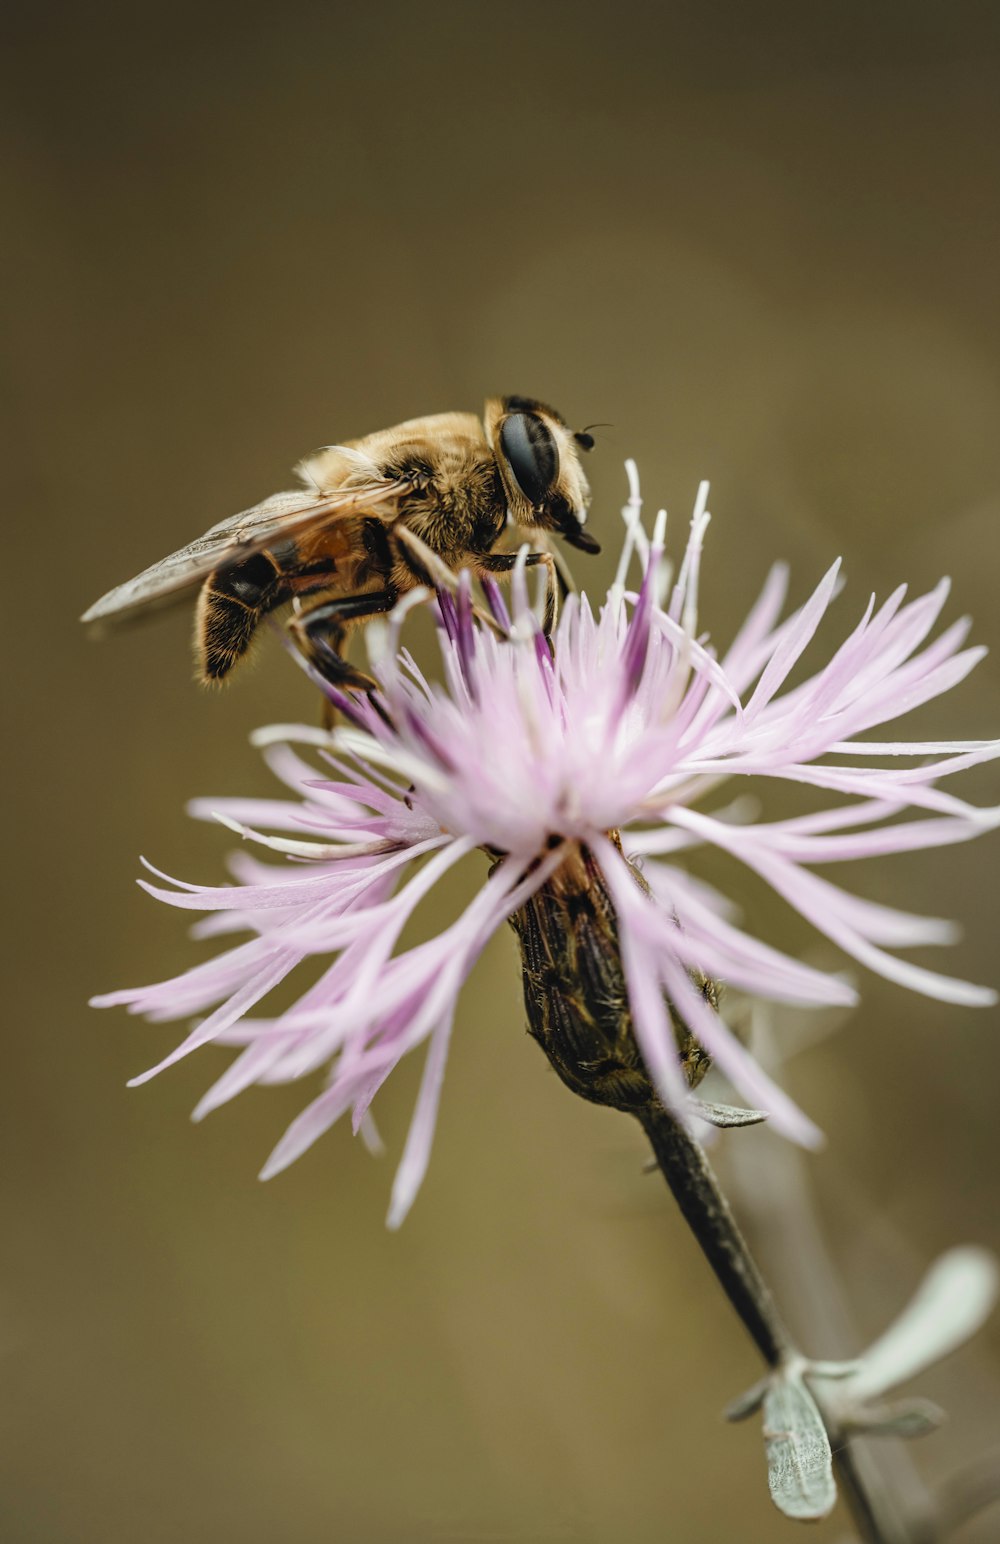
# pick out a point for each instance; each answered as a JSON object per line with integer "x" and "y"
{"x": 375, "y": 517}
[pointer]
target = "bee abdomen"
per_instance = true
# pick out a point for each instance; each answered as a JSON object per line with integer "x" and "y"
{"x": 233, "y": 601}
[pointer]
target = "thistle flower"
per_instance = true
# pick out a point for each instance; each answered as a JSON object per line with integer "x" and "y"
{"x": 615, "y": 740}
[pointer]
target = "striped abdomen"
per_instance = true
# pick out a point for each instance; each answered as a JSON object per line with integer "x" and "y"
{"x": 338, "y": 557}
{"x": 232, "y": 603}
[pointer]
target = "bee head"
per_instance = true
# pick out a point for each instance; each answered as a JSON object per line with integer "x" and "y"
{"x": 538, "y": 458}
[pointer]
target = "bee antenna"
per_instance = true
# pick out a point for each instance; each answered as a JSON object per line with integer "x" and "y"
{"x": 585, "y": 439}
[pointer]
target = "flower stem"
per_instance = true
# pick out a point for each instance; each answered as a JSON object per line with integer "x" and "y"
{"x": 871, "y": 1506}
{"x": 705, "y": 1209}
{"x": 693, "y": 1184}
{"x": 576, "y": 1001}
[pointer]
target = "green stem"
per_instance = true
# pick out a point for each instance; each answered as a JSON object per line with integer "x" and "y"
{"x": 706, "y": 1211}
{"x": 577, "y": 1006}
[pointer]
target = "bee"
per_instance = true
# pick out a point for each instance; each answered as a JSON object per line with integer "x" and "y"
{"x": 375, "y": 517}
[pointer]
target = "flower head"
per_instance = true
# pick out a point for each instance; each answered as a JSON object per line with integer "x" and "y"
{"x": 628, "y": 723}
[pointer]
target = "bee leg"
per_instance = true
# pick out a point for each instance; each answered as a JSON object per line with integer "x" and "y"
{"x": 423, "y": 563}
{"x": 564, "y": 576}
{"x": 506, "y": 562}
{"x": 319, "y": 634}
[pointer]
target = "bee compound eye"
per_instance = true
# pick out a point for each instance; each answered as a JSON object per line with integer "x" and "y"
{"x": 531, "y": 454}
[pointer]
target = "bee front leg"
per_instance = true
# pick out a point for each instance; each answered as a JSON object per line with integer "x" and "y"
{"x": 319, "y": 635}
{"x": 506, "y": 562}
{"x": 564, "y": 578}
{"x": 423, "y": 566}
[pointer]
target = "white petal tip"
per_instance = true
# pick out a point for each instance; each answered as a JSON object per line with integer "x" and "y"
{"x": 798, "y": 1128}
{"x": 809, "y": 1137}
{"x": 288, "y": 734}
{"x": 975, "y": 1261}
{"x": 227, "y": 821}
{"x": 843, "y": 993}
{"x": 399, "y": 1209}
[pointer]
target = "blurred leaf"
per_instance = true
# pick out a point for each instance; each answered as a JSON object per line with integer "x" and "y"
{"x": 950, "y": 1305}
{"x": 905, "y": 1418}
{"x": 726, "y": 1114}
{"x": 748, "y": 1403}
{"x": 967, "y": 1493}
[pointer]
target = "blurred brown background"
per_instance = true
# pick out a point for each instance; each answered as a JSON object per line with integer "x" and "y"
{"x": 762, "y": 242}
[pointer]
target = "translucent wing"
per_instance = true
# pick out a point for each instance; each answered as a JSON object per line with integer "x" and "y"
{"x": 233, "y": 540}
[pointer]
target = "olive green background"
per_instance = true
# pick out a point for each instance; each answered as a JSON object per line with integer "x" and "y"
{"x": 762, "y": 243}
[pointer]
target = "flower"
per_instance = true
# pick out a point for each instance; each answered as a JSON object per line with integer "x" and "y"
{"x": 627, "y": 724}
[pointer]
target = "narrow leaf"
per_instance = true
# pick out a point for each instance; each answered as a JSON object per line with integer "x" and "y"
{"x": 904, "y": 1418}
{"x": 950, "y": 1305}
{"x": 748, "y": 1403}
{"x": 726, "y": 1114}
{"x": 799, "y": 1460}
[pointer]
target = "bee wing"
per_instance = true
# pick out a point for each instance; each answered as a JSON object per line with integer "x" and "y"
{"x": 233, "y": 540}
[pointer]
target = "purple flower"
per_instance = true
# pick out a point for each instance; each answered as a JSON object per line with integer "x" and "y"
{"x": 629, "y": 724}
